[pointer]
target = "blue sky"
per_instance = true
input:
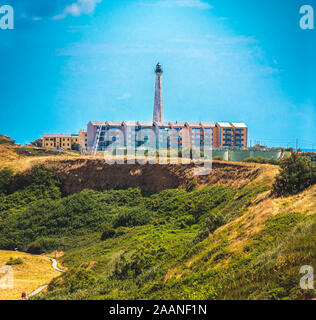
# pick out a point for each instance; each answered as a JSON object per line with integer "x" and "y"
{"x": 71, "y": 61}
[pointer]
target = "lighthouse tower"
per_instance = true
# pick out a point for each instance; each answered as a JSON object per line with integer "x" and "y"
{"x": 158, "y": 113}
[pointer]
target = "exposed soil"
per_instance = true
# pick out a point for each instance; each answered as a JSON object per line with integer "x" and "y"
{"x": 79, "y": 174}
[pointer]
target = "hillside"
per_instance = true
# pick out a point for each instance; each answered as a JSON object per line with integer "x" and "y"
{"x": 33, "y": 272}
{"x": 158, "y": 232}
{"x": 21, "y": 158}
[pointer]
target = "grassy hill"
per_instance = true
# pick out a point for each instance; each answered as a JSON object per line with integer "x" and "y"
{"x": 225, "y": 236}
{"x": 33, "y": 272}
{"x": 20, "y": 158}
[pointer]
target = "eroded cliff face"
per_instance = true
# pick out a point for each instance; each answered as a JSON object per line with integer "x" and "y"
{"x": 79, "y": 174}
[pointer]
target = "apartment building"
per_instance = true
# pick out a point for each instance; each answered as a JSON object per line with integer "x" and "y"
{"x": 104, "y": 135}
{"x": 225, "y": 135}
{"x": 83, "y": 144}
{"x": 60, "y": 141}
{"x": 158, "y": 134}
{"x": 240, "y": 132}
{"x": 180, "y": 138}
{"x": 209, "y": 135}
{"x": 164, "y": 135}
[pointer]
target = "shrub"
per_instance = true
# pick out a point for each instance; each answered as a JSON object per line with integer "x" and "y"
{"x": 297, "y": 173}
{"x": 191, "y": 186}
{"x": 75, "y": 279}
{"x": 12, "y": 261}
{"x": 37, "y": 143}
{"x": 42, "y": 245}
{"x": 218, "y": 158}
{"x": 5, "y": 179}
{"x": 213, "y": 221}
{"x": 185, "y": 221}
{"x": 75, "y": 146}
{"x": 262, "y": 160}
{"x": 203, "y": 234}
{"x": 107, "y": 233}
{"x": 132, "y": 217}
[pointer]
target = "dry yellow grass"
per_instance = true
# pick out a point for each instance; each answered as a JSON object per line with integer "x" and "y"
{"x": 33, "y": 273}
{"x": 239, "y": 231}
{"x": 10, "y": 157}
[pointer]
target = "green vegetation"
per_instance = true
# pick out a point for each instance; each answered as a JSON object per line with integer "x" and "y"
{"x": 297, "y": 173}
{"x": 44, "y": 185}
{"x": 12, "y": 261}
{"x": 108, "y": 232}
{"x": 6, "y": 140}
{"x": 75, "y": 146}
{"x": 5, "y": 180}
{"x": 173, "y": 244}
{"x": 262, "y": 160}
{"x": 75, "y": 279}
{"x": 37, "y": 143}
{"x": 41, "y": 245}
{"x": 35, "y": 152}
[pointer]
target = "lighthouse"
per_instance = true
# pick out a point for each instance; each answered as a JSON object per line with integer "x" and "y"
{"x": 158, "y": 112}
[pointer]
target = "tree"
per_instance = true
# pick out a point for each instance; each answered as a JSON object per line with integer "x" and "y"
{"x": 297, "y": 173}
{"x": 259, "y": 146}
{"x": 37, "y": 143}
{"x": 74, "y": 146}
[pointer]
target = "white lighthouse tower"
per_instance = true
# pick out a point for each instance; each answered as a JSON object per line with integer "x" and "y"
{"x": 158, "y": 112}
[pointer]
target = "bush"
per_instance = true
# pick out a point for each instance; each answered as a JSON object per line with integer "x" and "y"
{"x": 107, "y": 233}
{"x": 74, "y": 146}
{"x": 191, "y": 186}
{"x": 218, "y": 158}
{"x": 44, "y": 184}
{"x": 137, "y": 216}
{"x": 209, "y": 225}
{"x": 12, "y": 261}
{"x": 262, "y": 160}
{"x": 297, "y": 173}
{"x": 74, "y": 279}
{"x": 37, "y": 143}
{"x": 5, "y": 179}
{"x": 213, "y": 221}
{"x": 42, "y": 245}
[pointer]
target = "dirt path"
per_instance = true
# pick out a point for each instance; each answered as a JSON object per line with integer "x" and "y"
{"x": 41, "y": 288}
{"x": 54, "y": 264}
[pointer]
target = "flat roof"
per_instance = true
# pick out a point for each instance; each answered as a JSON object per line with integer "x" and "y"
{"x": 97, "y": 123}
{"x": 145, "y": 123}
{"x": 224, "y": 124}
{"x": 193, "y": 124}
{"x": 161, "y": 124}
{"x": 177, "y": 124}
{"x": 208, "y": 124}
{"x": 130, "y": 123}
{"x": 59, "y": 135}
{"x": 239, "y": 125}
{"x": 114, "y": 123}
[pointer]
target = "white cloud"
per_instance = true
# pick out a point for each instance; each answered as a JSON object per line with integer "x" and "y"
{"x": 78, "y": 8}
{"x": 199, "y": 4}
{"x": 124, "y": 96}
